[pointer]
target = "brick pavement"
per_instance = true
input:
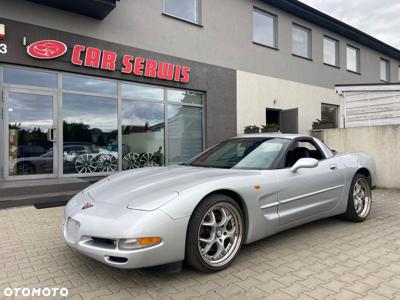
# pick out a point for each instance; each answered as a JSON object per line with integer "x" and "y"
{"x": 328, "y": 259}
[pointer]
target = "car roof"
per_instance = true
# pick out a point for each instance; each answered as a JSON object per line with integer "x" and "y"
{"x": 273, "y": 135}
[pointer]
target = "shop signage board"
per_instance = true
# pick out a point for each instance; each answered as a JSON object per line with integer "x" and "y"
{"x": 3, "y": 46}
{"x": 92, "y": 57}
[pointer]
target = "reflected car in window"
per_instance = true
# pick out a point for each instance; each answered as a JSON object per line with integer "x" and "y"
{"x": 202, "y": 211}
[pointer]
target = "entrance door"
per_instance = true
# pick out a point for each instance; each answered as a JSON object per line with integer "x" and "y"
{"x": 289, "y": 121}
{"x": 30, "y": 134}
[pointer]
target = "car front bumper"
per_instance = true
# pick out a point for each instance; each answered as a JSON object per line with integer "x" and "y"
{"x": 96, "y": 234}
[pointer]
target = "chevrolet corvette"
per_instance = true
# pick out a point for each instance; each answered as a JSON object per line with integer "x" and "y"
{"x": 237, "y": 192}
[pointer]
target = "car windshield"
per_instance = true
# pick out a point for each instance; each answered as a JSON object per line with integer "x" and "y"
{"x": 242, "y": 153}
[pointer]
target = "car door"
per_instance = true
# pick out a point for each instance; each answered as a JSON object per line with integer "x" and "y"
{"x": 308, "y": 192}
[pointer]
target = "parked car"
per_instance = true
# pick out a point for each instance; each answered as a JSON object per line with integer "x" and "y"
{"x": 239, "y": 191}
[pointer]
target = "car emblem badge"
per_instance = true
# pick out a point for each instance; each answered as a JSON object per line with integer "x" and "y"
{"x": 87, "y": 205}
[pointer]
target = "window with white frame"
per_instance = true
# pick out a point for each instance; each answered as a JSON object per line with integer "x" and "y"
{"x": 183, "y": 9}
{"x": 264, "y": 28}
{"x": 353, "y": 59}
{"x": 301, "y": 41}
{"x": 331, "y": 51}
{"x": 384, "y": 70}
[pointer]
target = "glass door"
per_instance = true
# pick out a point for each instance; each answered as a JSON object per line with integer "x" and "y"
{"x": 31, "y": 135}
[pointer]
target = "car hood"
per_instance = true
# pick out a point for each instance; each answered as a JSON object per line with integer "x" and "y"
{"x": 150, "y": 188}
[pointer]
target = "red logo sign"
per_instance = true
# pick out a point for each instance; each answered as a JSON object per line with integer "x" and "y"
{"x": 46, "y": 49}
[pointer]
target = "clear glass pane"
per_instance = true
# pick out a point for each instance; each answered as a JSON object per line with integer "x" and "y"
{"x": 30, "y": 77}
{"x": 90, "y": 134}
{"x": 29, "y": 119}
{"x": 330, "y": 54}
{"x": 329, "y": 115}
{"x": 185, "y": 9}
{"x": 352, "y": 59}
{"x": 142, "y": 134}
{"x": 142, "y": 92}
{"x": 185, "y": 133}
{"x": 301, "y": 41}
{"x": 185, "y": 97}
{"x": 264, "y": 29}
{"x": 90, "y": 85}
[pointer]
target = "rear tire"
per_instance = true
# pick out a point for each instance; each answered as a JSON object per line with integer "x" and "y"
{"x": 359, "y": 200}
{"x": 215, "y": 234}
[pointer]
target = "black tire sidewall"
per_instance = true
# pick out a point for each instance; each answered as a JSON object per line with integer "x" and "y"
{"x": 351, "y": 213}
{"x": 193, "y": 256}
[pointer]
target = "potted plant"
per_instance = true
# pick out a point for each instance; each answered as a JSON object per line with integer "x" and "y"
{"x": 273, "y": 127}
{"x": 323, "y": 124}
{"x": 251, "y": 129}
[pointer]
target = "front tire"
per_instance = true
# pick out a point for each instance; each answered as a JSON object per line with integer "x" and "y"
{"x": 215, "y": 234}
{"x": 359, "y": 200}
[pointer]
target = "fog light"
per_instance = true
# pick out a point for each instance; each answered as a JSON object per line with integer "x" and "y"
{"x": 138, "y": 243}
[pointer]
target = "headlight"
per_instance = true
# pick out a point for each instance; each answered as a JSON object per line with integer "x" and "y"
{"x": 138, "y": 243}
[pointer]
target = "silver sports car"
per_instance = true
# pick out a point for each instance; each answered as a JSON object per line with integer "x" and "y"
{"x": 239, "y": 191}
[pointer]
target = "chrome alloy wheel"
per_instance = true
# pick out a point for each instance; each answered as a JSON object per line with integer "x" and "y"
{"x": 362, "y": 197}
{"x": 220, "y": 234}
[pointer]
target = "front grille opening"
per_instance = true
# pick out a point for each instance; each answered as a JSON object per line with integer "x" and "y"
{"x": 102, "y": 243}
{"x": 117, "y": 259}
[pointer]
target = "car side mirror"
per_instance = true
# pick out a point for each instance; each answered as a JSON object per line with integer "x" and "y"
{"x": 304, "y": 163}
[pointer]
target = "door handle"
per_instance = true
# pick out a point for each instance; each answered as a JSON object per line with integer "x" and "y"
{"x": 51, "y": 137}
{"x": 333, "y": 167}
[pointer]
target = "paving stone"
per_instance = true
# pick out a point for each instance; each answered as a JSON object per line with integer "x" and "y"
{"x": 327, "y": 259}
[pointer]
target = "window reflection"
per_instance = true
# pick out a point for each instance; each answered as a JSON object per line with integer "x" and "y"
{"x": 30, "y": 77}
{"x": 142, "y": 134}
{"x": 185, "y": 9}
{"x": 142, "y": 92}
{"x": 330, "y": 51}
{"x": 90, "y": 134}
{"x": 353, "y": 59}
{"x": 185, "y": 97}
{"x": 264, "y": 28}
{"x": 91, "y": 85}
{"x": 29, "y": 119}
{"x": 301, "y": 41}
{"x": 184, "y": 132}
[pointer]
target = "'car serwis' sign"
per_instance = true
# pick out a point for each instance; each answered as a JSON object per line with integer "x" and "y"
{"x": 96, "y": 58}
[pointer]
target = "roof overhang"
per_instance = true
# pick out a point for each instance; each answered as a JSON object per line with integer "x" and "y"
{"x": 317, "y": 17}
{"x": 367, "y": 87}
{"x": 97, "y": 9}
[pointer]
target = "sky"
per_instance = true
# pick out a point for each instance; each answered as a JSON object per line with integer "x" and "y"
{"x": 379, "y": 18}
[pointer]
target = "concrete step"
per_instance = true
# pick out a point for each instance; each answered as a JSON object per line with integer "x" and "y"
{"x": 49, "y": 199}
{"x": 42, "y": 192}
{"x": 39, "y": 186}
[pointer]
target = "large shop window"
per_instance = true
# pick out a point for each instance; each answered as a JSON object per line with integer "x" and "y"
{"x": 142, "y": 134}
{"x": 30, "y": 78}
{"x": 90, "y": 85}
{"x": 90, "y": 134}
{"x": 184, "y": 126}
{"x": 88, "y": 125}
